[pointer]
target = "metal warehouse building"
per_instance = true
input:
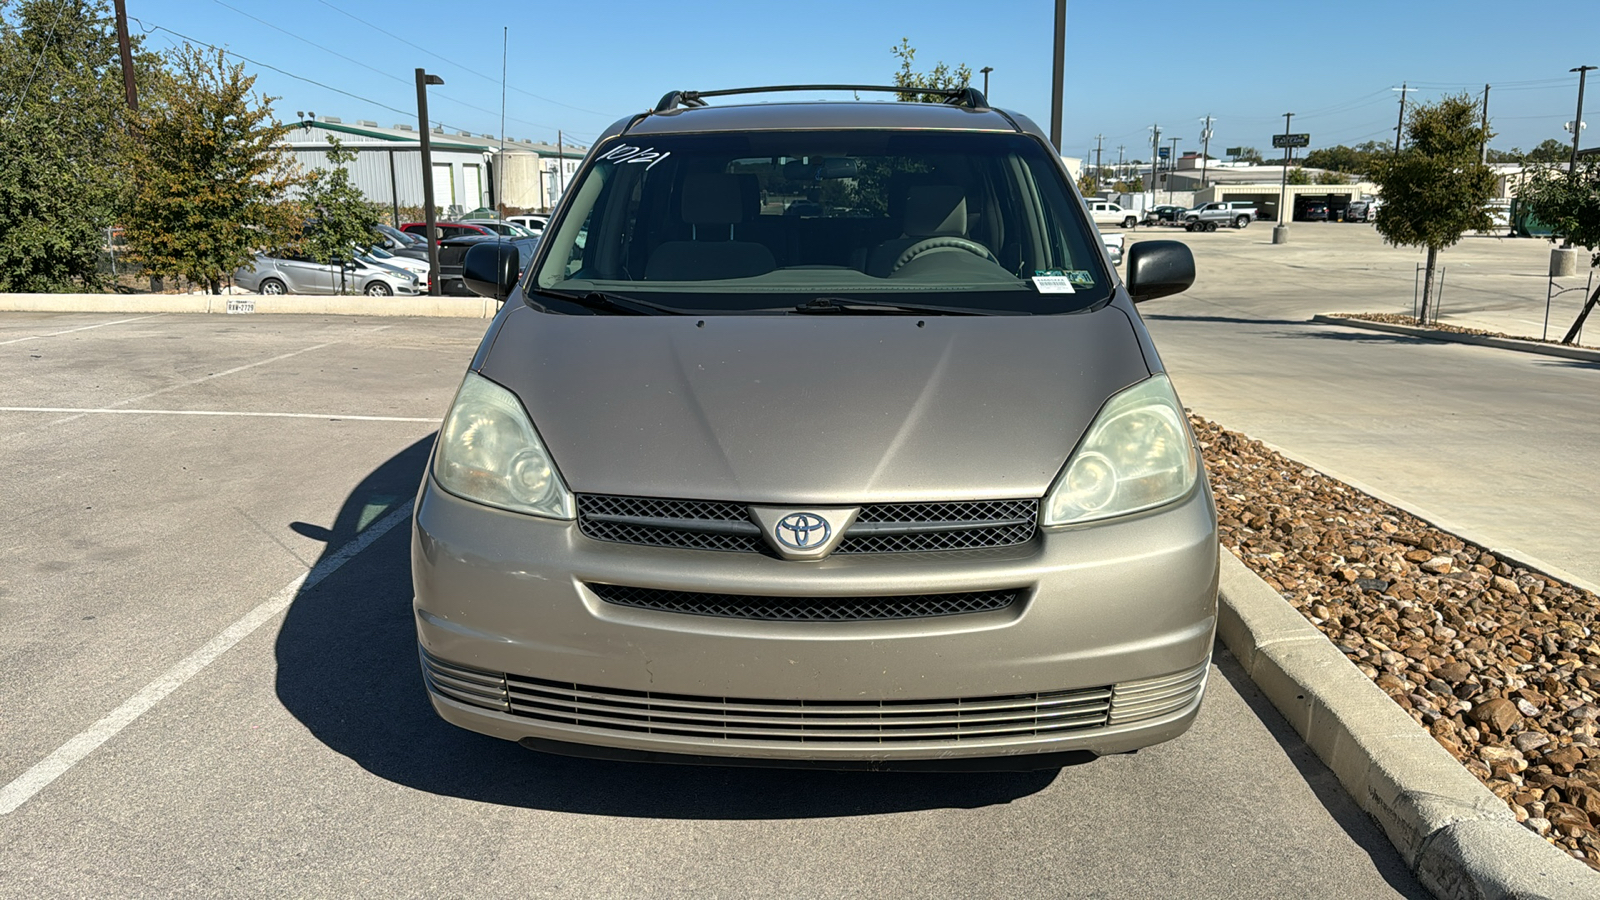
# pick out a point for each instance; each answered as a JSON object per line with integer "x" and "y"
{"x": 388, "y": 165}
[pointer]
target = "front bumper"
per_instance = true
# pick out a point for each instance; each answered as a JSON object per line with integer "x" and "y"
{"x": 1106, "y": 651}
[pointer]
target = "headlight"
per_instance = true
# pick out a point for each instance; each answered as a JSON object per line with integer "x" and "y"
{"x": 490, "y": 454}
{"x": 1136, "y": 455}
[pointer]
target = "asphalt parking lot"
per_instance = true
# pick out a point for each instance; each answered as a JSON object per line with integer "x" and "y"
{"x": 211, "y": 686}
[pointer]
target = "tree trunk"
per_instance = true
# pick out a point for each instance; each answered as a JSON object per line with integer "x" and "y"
{"x": 216, "y": 286}
{"x": 1572, "y": 333}
{"x": 1427, "y": 285}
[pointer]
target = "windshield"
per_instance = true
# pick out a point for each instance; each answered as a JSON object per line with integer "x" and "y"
{"x": 773, "y": 220}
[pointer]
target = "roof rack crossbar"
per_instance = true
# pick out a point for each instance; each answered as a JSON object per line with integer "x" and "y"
{"x": 968, "y": 97}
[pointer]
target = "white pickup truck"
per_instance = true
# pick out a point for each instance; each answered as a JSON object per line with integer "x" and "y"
{"x": 1104, "y": 212}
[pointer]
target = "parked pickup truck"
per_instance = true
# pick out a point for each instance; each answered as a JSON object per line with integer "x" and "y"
{"x": 1237, "y": 213}
{"x": 1104, "y": 212}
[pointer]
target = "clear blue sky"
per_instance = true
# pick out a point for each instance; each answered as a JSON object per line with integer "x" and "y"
{"x": 581, "y": 64}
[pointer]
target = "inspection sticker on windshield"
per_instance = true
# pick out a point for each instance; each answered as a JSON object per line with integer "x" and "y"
{"x": 1053, "y": 284}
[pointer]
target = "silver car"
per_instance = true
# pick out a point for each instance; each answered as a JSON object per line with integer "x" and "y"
{"x": 292, "y": 274}
{"x": 902, "y": 483}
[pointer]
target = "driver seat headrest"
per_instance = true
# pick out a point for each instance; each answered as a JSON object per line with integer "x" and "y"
{"x": 935, "y": 210}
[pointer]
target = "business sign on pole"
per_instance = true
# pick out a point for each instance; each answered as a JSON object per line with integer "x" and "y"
{"x": 1163, "y": 152}
{"x": 1233, "y": 151}
{"x": 1291, "y": 140}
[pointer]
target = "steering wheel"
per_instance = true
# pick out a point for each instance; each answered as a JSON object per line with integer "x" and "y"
{"x": 941, "y": 242}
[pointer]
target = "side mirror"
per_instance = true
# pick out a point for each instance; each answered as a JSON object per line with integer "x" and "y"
{"x": 1158, "y": 269}
{"x": 490, "y": 269}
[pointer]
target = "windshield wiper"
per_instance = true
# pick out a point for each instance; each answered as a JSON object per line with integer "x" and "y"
{"x": 848, "y": 305}
{"x": 612, "y": 302}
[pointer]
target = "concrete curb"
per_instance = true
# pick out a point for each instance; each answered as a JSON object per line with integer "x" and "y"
{"x": 1451, "y": 337}
{"x": 359, "y": 305}
{"x": 1460, "y": 840}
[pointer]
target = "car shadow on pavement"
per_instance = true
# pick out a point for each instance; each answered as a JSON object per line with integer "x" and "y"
{"x": 347, "y": 669}
{"x": 1355, "y": 822}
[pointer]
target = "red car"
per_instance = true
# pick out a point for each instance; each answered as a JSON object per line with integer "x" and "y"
{"x": 446, "y": 229}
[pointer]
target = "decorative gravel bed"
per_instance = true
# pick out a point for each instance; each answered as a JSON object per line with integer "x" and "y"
{"x": 1400, "y": 319}
{"x": 1499, "y": 663}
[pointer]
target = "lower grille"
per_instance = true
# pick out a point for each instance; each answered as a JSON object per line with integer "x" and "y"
{"x": 815, "y": 721}
{"x": 805, "y": 609}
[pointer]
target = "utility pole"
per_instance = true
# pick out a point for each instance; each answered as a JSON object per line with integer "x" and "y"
{"x": 431, "y": 229}
{"x": 1155, "y": 158}
{"x": 1577, "y": 122}
{"x": 1280, "y": 232}
{"x": 1205, "y": 151}
{"x": 1120, "y": 148}
{"x": 1060, "y": 73}
{"x": 125, "y": 49}
{"x": 1172, "y": 168}
{"x": 1483, "y": 152}
{"x": 986, "y": 70}
{"x": 1398, "y": 125}
{"x": 561, "y": 165}
{"x": 1098, "y": 171}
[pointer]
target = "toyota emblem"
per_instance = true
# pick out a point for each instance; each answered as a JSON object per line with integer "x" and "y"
{"x": 802, "y": 531}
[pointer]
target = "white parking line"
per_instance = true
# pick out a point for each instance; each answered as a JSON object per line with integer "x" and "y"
{"x": 71, "y": 753}
{"x": 195, "y": 381}
{"x": 34, "y": 337}
{"x": 212, "y": 412}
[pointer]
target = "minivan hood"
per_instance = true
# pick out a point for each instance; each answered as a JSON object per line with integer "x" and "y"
{"x": 829, "y": 409}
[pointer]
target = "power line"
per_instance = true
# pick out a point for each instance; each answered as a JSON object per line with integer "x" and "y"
{"x": 457, "y": 64}
{"x": 374, "y": 69}
{"x": 37, "y": 63}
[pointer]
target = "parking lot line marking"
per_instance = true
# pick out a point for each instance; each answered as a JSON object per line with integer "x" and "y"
{"x": 213, "y": 412}
{"x": 195, "y": 381}
{"x": 34, "y": 337}
{"x": 58, "y": 763}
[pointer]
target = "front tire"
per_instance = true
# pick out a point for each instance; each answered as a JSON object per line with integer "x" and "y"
{"x": 272, "y": 287}
{"x": 379, "y": 289}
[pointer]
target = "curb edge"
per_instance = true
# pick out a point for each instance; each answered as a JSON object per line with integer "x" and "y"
{"x": 1449, "y": 337}
{"x": 1458, "y": 837}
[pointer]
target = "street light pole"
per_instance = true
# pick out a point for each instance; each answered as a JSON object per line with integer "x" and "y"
{"x": 1280, "y": 232}
{"x": 1155, "y": 158}
{"x": 1172, "y": 166}
{"x": 986, "y": 70}
{"x": 1205, "y": 151}
{"x": 430, "y": 231}
{"x": 1060, "y": 72}
{"x": 1577, "y": 122}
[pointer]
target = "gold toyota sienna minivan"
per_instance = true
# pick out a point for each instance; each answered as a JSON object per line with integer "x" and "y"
{"x": 819, "y": 433}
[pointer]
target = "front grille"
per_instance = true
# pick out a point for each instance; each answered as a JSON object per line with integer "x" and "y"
{"x": 687, "y": 524}
{"x": 879, "y": 528}
{"x": 805, "y": 609}
{"x": 916, "y": 527}
{"x": 776, "y": 721}
{"x": 816, "y": 721}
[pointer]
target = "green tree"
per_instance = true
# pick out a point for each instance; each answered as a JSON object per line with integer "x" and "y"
{"x": 212, "y": 183}
{"x": 1298, "y": 175}
{"x": 1435, "y": 189}
{"x": 1332, "y": 177}
{"x": 1549, "y": 150}
{"x": 1136, "y": 186}
{"x": 1357, "y": 160}
{"x": 61, "y": 126}
{"x": 941, "y": 77}
{"x": 1249, "y": 155}
{"x": 1570, "y": 203}
{"x": 342, "y": 218}
{"x": 1087, "y": 183}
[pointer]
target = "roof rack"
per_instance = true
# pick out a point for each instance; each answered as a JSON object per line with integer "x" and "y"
{"x": 967, "y": 97}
